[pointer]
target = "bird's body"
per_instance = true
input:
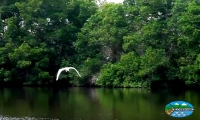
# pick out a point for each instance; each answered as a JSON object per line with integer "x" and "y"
{"x": 66, "y": 69}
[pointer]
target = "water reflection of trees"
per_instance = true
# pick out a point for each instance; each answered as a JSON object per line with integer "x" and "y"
{"x": 91, "y": 104}
{"x": 10, "y": 93}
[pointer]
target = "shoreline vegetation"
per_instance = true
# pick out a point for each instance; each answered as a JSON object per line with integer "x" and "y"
{"x": 65, "y": 84}
{"x": 136, "y": 44}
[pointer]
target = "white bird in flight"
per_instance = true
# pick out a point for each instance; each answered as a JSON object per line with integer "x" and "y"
{"x": 66, "y": 69}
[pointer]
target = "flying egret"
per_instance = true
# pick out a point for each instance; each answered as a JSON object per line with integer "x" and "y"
{"x": 66, "y": 69}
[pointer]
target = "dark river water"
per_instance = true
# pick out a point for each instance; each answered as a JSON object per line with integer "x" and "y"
{"x": 91, "y": 104}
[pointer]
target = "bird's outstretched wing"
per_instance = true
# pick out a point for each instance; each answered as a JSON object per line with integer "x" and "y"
{"x": 75, "y": 70}
{"x": 58, "y": 74}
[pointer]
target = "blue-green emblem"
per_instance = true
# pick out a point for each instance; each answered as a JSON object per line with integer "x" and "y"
{"x": 179, "y": 109}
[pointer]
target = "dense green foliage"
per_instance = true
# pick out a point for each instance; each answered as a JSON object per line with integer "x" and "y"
{"x": 114, "y": 45}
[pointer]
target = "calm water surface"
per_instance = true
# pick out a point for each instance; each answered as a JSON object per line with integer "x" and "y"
{"x": 91, "y": 104}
